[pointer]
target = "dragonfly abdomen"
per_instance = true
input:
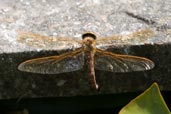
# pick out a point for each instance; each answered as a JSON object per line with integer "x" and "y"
{"x": 89, "y": 51}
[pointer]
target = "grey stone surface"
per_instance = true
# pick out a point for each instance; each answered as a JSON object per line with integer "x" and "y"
{"x": 71, "y": 18}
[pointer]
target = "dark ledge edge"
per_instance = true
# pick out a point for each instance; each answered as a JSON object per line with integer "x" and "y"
{"x": 17, "y": 84}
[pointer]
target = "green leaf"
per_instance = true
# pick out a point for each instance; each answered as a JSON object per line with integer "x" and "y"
{"x": 149, "y": 102}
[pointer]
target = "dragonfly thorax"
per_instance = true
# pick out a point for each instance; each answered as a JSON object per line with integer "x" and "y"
{"x": 89, "y": 44}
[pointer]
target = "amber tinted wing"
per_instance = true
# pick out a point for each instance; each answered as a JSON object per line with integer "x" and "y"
{"x": 133, "y": 38}
{"x": 54, "y": 64}
{"x": 46, "y": 42}
{"x": 120, "y": 63}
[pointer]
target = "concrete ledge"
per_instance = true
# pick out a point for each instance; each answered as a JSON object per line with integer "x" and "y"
{"x": 70, "y": 20}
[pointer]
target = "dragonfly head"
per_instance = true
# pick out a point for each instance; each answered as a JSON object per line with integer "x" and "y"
{"x": 89, "y": 41}
{"x": 89, "y": 34}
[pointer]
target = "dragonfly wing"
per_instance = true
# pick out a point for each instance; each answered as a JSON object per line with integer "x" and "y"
{"x": 120, "y": 63}
{"x": 54, "y": 64}
{"x": 45, "y": 42}
{"x": 133, "y": 38}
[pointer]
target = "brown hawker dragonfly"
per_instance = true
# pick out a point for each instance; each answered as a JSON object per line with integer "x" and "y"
{"x": 87, "y": 55}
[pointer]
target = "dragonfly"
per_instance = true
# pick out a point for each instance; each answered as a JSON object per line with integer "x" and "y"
{"x": 88, "y": 54}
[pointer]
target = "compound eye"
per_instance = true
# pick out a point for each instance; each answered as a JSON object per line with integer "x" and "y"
{"x": 88, "y": 35}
